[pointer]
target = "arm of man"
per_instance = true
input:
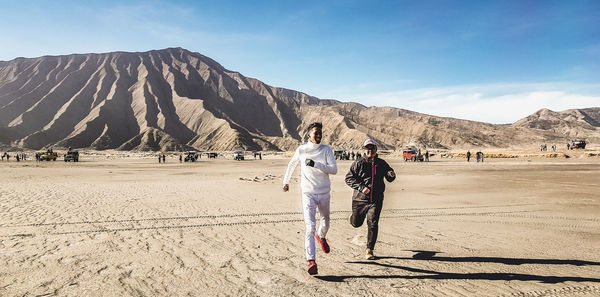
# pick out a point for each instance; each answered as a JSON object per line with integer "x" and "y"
{"x": 331, "y": 166}
{"x": 390, "y": 175}
{"x": 352, "y": 178}
{"x": 290, "y": 170}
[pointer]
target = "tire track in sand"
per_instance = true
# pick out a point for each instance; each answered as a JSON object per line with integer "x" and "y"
{"x": 105, "y": 229}
{"x": 264, "y": 214}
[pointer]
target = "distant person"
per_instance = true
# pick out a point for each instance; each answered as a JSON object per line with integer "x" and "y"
{"x": 180, "y": 158}
{"x": 468, "y": 156}
{"x": 317, "y": 162}
{"x": 479, "y": 156}
{"x": 3, "y": 157}
{"x": 163, "y": 157}
{"x": 427, "y": 156}
{"x": 568, "y": 146}
{"x": 159, "y": 158}
{"x": 17, "y": 158}
{"x": 7, "y": 157}
{"x": 366, "y": 178}
{"x": 258, "y": 154}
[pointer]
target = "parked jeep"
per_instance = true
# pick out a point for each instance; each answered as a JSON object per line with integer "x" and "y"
{"x": 191, "y": 156}
{"x": 578, "y": 144}
{"x": 49, "y": 155}
{"x": 412, "y": 154}
{"x": 71, "y": 156}
{"x": 238, "y": 155}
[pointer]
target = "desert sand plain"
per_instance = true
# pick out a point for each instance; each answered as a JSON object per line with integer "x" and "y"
{"x": 112, "y": 225}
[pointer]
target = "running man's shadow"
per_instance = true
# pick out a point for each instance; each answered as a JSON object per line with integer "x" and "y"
{"x": 430, "y": 274}
{"x": 431, "y": 256}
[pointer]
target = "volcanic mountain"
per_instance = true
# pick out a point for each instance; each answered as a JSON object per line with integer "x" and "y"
{"x": 174, "y": 99}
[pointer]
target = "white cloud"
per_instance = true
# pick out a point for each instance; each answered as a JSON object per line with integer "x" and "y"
{"x": 492, "y": 103}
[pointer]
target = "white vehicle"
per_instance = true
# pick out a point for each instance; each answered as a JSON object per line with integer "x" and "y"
{"x": 238, "y": 155}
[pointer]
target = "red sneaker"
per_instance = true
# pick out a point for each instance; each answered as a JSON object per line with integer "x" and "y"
{"x": 323, "y": 243}
{"x": 312, "y": 267}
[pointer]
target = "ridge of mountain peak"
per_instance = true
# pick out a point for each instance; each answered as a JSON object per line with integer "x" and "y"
{"x": 173, "y": 99}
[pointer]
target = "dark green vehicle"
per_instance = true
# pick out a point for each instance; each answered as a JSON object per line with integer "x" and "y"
{"x": 191, "y": 156}
{"x": 71, "y": 156}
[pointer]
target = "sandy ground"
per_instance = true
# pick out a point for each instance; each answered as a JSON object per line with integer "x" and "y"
{"x": 131, "y": 226}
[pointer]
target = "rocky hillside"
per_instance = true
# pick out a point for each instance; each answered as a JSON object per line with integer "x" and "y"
{"x": 572, "y": 123}
{"x": 174, "y": 99}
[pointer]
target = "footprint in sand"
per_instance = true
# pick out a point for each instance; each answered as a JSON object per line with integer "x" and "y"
{"x": 357, "y": 240}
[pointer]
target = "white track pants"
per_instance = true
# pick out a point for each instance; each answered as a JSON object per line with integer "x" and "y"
{"x": 310, "y": 203}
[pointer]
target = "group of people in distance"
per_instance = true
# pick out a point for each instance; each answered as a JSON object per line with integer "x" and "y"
{"x": 478, "y": 156}
{"x": 366, "y": 177}
{"x": 18, "y": 156}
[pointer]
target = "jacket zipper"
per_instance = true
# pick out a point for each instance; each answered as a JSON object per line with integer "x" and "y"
{"x": 372, "y": 177}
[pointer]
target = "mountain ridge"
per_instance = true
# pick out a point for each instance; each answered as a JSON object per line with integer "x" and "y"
{"x": 175, "y": 99}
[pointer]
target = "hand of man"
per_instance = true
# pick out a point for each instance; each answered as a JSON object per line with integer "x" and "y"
{"x": 286, "y": 187}
{"x": 391, "y": 173}
{"x": 310, "y": 163}
{"x": 366, "y": 191}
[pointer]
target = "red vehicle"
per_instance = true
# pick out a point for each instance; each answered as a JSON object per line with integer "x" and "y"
{"x": 412, "y": 154}
{"x": 578, "y": 144}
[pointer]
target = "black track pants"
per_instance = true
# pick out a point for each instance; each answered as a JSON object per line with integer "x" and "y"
{"x": 362, "y": 208}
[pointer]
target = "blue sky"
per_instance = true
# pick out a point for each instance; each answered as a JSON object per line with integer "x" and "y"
{"x": 466, "y": 59}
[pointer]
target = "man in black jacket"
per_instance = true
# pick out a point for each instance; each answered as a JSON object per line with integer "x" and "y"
{"x": 366, "y": 178}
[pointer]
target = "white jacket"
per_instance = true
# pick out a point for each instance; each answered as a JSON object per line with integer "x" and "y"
{"x": 314, "y": 180}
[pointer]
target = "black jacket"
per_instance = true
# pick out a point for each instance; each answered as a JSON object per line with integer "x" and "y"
{"x": 366, "y": 174}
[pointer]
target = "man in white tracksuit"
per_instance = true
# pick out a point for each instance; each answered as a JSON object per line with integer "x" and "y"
{"x": 317, "y": 162}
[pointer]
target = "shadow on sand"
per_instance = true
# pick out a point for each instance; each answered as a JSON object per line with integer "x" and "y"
{"x": 431, "y": 256}
{"x": 430, "y": 274}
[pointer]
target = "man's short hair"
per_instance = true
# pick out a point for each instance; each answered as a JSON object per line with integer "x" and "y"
{"x": 315, "y": 124}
